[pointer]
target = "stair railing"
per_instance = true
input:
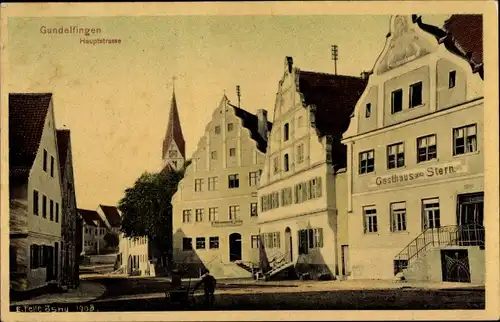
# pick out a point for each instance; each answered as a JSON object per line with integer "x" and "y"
{"x": 462, "y": 235}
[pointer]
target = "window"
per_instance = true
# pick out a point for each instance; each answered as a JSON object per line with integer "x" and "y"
{"x": 286, "y": 132}
{"x": 286, "y": 162}
{"x": 426, "y": 148}
{"x": 197, "y": 184}
{"x": 415, "y": 94}
{"x": 186, "y": 215}
{"x": 232, "y": 152}
{"x": 303, "y": 244}
{"x": 35, "y": 203}
{"x": 253, "y": 209}
{"x": 395, "y": 156}
{"x": 187, "y": 243}
{"x": 398, "y": 216}
{"x": 52, "y": 166}
{"x": 200, "y": 242}
{"x": 230, "y": 127}
{"x": 300, "y": 153}
{"x": 368, "y": 110}
{"x": 464, "y": 139}
{"x": 310, "y": 238}
{"x": 451, "y": 79}
{"x": 45, "y": 160}
{"x": 213, "y": 242}
{"x": 234, "y": 212}
{"x": 254, "y": 241}
{"x": 397, "y": 101}
{"x": 234, "y": 181}
{"x": 217, "y": 129}
{"x": 213, "y": 213}
{"x": 400, "y": 265}
{"x": 57, "y": 212}
{"x": 286, "y": 196}
{"x": 44, "y": 206}
{"x": 253, "y": 178}
{"x": 276, "y": 165}
{"x": 271, "y": 240}
{"x": 370, "y": 215}
{"x": 214, "y": 155}
{"x": 174, "y": 163}
{"x": 172, "y": 153}
{"x": 430, "y": 213}
{"x": 199, "y": 215}
{"x": 212, "y": 183}
{"x": 366, "y": 162}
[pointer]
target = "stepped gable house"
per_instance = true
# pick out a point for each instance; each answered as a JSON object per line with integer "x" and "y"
{"x": 303, "y": 187}
{"x": 415, "y": 156}
{"x": 35, "y": 192}
{"x": 215, "y": 206}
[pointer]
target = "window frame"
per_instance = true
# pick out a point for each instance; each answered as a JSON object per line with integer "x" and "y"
{"x": 199, "y": 212}
{"x": 253, "y": 178}
{"x": 398, "y": 217}
{"x": 370, "y": 226}
{"x": 233, "y": 181}
{"x": 234, "y": 212}
{"x": 466, "y": 136}
{"x": 393, "y": 93}
{"x": 427, "y": 147}
{"x": 254, "y": 209}
{"x": 212, "y": 183}
{"x": 435, "y": 210}
{"x": 198, "y": 184}
{"x": 366, "y": 169}
{"x": 411, "y": 98}
{"x": 186, "y": 214}
{"x": 368, "y": 110}
{"x": 200, "y": 243}
{"x": 286, "y": 163}
{"x": 396, "y": 156}
{"x": 213, "y": 242}
{"x": 213, "y": 214}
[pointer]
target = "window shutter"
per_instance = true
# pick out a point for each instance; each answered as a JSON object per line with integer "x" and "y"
{"x": 320, "y": 240}
{"x": 318, "y": 187}
{"x": 310, "y": 235}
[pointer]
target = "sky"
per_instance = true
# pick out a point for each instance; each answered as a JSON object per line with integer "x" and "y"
{"x": 115, "y": 98}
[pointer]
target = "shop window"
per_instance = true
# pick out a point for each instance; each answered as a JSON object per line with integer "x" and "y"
{"x": 200, "y": 242}
{"x": 214, "y": 242}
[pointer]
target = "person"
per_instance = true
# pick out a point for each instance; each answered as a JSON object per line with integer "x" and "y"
{"x": 209, "y": 283}
{"x": 176, "y": 279}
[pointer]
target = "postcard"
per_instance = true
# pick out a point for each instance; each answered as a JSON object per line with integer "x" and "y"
{"x": 249, "y": 161}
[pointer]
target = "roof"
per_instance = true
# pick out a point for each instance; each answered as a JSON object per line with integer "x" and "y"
{"x": 89, "y": 216}
{"x": 63, "y": 139}
{"x": 251, "y": 122}
{"x": 461, "y": 35}
{"x": 334, "y": 97}
{"x": 27, "y": 114}
{"x": 174, "y": 130}
{"x": 112, "y": 215}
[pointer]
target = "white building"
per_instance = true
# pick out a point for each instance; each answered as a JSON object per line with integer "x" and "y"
{"x": 94, "y": 230}
{"x": 303, "y": 189}
{"x": 415, "y": 157}
{"x": 215, "y": 206}
{"x": 35, "y": 192}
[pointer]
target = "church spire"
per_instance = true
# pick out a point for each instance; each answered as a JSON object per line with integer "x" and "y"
{"x": 174, "y": 153}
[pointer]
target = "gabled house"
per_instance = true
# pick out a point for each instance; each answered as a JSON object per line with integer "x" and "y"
{"x": 215, "y": 206}
{"x": 111, "y": 216}
{"x": 35, "y": 192}
{"x": 94, "y": 230}
{"x": 303, "y": 189}
{"x": 415, "y": 156}
{"x": 71, "y": 229}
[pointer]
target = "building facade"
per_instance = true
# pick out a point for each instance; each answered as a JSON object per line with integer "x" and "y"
{"x": 215, "y": 206}
{"x": 415, "y": 161}
{"x": 135, "y": 256}
{"x": 69, "y": 231}
{"x": 94, "y": 230}
{"x": 35, "y": 193}
{"x": 303, "y": 174}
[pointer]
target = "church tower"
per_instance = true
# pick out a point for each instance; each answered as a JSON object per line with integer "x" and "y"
{"x": 174, "y": 154}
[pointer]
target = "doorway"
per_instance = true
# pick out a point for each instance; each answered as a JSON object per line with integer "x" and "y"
{"x": 234, "y": 247}
{"x": 455, "y": 265}
{"x": 130, "y": 264}
{"x": 470, "y": 217}
{"x": 345, "y": 259}
{"x": 288, "y": 244}
{"x": 48, "y": 261}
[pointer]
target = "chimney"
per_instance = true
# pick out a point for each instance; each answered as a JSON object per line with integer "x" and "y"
{"x": 262, "y": 123}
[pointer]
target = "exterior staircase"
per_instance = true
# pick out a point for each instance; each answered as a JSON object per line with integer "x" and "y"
{"x": 459, "y": 235}
{"x": 278, "y": 264}
{"x": 247, "y": 266}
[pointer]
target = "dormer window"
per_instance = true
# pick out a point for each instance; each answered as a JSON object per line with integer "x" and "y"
{"x": 415, "y": 94}
{"x": 368, "y": 110}
{"x": 397, "y": 101}
{"x": 451, "y": 79}
{"x": 172, "y": 153}
{"x": 286, "y": 132}
{"x": 230, "y": 127}
{"x": 217, "y": 129}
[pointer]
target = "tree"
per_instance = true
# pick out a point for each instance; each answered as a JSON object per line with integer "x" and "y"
{"x": 111, "y": 239}
{"x": 147, "y": 208}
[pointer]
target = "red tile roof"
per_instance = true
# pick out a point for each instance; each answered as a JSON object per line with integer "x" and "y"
{"x": 334, "y": 98}
{"x": 27, "y": 114}
{"x": 112, "y": 215}
{"x": 63, "y": 139}
{"x": 174, "y": 130}
{"x": 89, "y": 216}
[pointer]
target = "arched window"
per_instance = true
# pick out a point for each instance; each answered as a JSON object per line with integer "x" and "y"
{"x": 286, "y": 163}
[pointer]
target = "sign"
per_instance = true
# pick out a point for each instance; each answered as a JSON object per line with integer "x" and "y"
{"x": 422, "y": 174}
